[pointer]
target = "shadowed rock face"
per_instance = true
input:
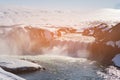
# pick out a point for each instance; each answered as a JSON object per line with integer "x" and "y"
{"x": 106, "y": 44}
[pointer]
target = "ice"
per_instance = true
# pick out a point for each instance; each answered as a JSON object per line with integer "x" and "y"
{"x": 116, "y": 60}
{"x": 4, "y": 75}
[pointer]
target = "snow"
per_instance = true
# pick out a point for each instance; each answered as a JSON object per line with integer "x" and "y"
{"x": 35, "y": 16}
{"x": 28, "y": 16}
{"x": 118, "y": 44}
{"x": 76, "y": 37}
{"x": 4, "y": 75}
{"x": 110, "y": 73}
{"x": 116, "y": 60}
{"x": 15, "y": 64}
{"x": 106, "y": 14}
{"x": 110, "y": 43}
{"x": 91, "y": 32}
{"x": 113, "y": 43}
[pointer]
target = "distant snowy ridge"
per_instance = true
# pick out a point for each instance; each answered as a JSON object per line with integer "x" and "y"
{"x": 27, "y": 16}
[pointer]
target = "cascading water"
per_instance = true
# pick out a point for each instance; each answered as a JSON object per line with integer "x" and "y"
{"x": 33, "y": 41}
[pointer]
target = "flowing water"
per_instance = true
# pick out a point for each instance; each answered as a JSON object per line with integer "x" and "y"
{"x": 67, "y": 68}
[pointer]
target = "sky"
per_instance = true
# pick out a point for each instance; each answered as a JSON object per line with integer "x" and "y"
{"x": 64, "y": 4}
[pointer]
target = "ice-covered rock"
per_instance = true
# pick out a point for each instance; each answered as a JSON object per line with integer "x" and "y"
{"x": 4, "y": 75}
{"x": 116, "y": 60}
{"x": 18, "y": 66}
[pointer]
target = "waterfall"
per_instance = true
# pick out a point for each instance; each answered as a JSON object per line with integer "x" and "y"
{"x": 35, "y": 41}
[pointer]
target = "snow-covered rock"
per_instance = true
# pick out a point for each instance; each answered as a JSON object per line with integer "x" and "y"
{"x": 116, "y": 60}
{"x": 110, "y": 73}
{"x": 4, "y": 75}
{"x": 107, "y": 41}
{"x": 18, "y": 66}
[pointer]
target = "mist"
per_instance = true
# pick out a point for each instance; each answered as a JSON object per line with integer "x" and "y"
{"x": 36, "y": 41}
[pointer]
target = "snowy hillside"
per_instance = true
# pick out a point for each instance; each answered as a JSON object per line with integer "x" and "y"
{"x": 18, "y": 15}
